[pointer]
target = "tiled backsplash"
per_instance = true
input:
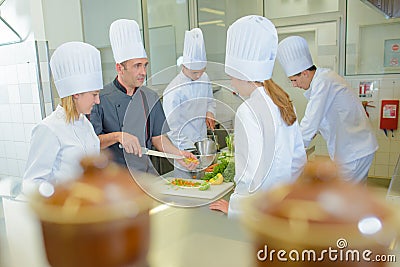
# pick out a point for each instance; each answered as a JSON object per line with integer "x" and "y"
{"x": 385, "y": 88}
{"x": 20, "y": 107}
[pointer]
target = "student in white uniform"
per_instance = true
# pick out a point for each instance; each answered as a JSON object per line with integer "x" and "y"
{"x": 60, "y": 140}
{"x": 188, "y": 99}
{"x": 269, "y": 150}
{"x": 333, "y": 110}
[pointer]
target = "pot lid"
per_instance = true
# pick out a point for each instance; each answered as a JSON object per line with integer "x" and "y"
{"x": 104, "y": 191}
{"x": 321, "y": 206}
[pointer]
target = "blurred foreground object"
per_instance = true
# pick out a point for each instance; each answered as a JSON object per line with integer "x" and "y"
{"x": 99, "y": 220}
{"x": 321, "y": 221}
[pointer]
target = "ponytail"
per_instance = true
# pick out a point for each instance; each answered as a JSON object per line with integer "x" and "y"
{"x": 282, "y": 100}
{"x": 69, "y": 106}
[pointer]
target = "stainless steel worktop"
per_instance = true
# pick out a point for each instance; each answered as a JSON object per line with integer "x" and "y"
{"x": 179, "y": 237}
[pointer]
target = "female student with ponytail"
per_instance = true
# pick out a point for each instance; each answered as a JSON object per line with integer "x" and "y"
{"x": 269, "y": 150}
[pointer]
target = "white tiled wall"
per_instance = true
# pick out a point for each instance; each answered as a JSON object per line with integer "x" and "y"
{"x": 19, "y": 106}
{"x": 385, "y": 88}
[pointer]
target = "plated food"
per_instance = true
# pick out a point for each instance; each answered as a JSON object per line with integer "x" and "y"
{"x": 191, "y": 183}
{"x": 184, "y": 182}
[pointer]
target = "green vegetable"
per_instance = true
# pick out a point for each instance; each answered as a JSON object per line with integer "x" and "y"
{"x": 217, "y": 169}
{"x": 229, "y": 142}
{"x": 229, "y": 172}
{"x": 208, "y": 176}
{"x": 204, "y": 186}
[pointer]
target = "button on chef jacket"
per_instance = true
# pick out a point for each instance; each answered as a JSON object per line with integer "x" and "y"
{"x": 186, "y": 103}
{"x": 336, "y": 112}
{"x": 57, "y": 147}
{"x": 268, "y": 152}
{"x": 118, "y": 112}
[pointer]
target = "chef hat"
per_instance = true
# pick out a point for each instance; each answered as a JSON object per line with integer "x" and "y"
{"x": 251, "y": 47}
{"x": 194, "y": 51}
{"x": 126, "y": 40}
{"x": 76, "y": 68}
{"x": 294, "y": 55}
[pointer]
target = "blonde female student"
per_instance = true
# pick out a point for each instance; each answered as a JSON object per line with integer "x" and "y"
{"x": 269, "y": 150}
{"x": 60, "y": 140}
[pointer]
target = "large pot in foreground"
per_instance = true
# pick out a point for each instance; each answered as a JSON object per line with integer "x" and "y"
{"x": 98, "y": 220}
{"x": 321, "y": 221}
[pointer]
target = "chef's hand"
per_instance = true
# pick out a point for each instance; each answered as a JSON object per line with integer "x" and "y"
{"x": 131, "y": 144}
{"x": 210, "y": 120}
{"x": 186, "y": 162}
{"x": 221, "y": 205}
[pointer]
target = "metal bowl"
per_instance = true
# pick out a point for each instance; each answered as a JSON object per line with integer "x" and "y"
{"x": 206, "y": 160}
{"x": 206, "y": 147}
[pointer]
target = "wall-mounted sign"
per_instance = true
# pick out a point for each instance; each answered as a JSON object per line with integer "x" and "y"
{"x": 365, "y": 89}
{"x": 392, "y": 53}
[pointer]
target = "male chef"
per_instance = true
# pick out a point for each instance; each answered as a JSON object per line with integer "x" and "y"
{"x": 333, "y": 110}
{"x": 130, "y": 115}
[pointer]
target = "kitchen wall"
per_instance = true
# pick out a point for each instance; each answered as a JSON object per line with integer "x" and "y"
{"x": 366, "y": 63}
{"x": 385, "y": 87}
{"x": 19, "y": 102}
{"x": 20, "y": 87}
{"x": 25, "y": 96}
{"x": 19, "y": 105}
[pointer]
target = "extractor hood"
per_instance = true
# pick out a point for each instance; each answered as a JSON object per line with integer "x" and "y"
{"x": 389, "y": 8}
{"x": 14, "y": 21}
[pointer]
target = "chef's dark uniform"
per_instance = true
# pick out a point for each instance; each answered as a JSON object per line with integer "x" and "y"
{"x": 141, "y": 115}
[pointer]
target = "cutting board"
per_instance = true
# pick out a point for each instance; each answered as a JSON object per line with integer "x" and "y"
{"x": 213, "y": 192}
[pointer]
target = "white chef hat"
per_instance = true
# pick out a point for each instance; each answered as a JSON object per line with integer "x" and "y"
{"x": 251, "y": 47}
{"x": 76, "y": 68}
{"x": 294, "y": 55}
{"x": 126, "y": 40}
{"x": 194, "y": 50}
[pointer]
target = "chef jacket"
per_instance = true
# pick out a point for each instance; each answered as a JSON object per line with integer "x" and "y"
{"x": 268, "y": 152}
{"x": 140, "y": 115}
{"x": 186, "y": 103}
{"x": 335, "y": 111}
{"x": 57, "y": 147}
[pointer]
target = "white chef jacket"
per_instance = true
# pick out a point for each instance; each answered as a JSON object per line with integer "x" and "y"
{"x": 268, "y": 152}
{"x": 57, "y": 147}
{"x": 335, "y": 111}
{"x": 185, "y": 104}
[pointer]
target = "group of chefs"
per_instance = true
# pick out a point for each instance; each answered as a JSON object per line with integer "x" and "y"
{"x": 125, "y": 116}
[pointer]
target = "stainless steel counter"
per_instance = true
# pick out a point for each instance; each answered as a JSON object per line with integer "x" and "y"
{"x": 393, "y": 193}
{"x": 179, "y": 237}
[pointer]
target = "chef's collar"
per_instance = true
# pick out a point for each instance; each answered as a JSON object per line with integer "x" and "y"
{"x": 121, "y": 87}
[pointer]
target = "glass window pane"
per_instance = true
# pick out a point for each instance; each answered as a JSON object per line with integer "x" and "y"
{"x": 97, "y": 17}
{"x": 214, "y": 18}
{"x": 372, "y": 41}
{"x": 168, "y": 20}
{"x": 290, "y": 8}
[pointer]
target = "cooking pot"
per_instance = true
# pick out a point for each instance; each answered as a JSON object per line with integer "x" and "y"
{"x": 100, "y": 219}
{"x": 320, "y": 221}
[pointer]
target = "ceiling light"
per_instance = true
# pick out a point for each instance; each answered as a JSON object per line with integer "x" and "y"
{"x": 212, "y": 11}
{"x": 210, "y": 22}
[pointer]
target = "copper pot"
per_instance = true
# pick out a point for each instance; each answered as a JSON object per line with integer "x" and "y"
{"x": 98, "y": 220}
{"x": 320, "y": 221}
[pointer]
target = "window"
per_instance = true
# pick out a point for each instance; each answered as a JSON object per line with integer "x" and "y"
{"x": 372, "y": 41}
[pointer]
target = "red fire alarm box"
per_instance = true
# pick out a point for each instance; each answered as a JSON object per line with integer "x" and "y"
{"x": 389, "y": 114}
